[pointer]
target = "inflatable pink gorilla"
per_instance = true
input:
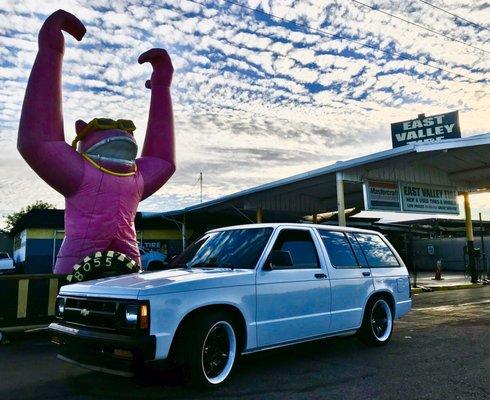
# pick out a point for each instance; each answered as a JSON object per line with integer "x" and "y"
{"x": 99, "y": 176}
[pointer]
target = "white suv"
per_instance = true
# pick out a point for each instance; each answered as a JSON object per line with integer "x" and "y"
{"x": 234, "y": 291}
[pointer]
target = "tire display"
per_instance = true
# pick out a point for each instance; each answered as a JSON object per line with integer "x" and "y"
{"x": 102, "y": 264}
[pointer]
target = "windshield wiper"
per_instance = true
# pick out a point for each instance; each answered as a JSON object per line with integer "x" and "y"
{"x": 212, "y": 265}
{"x": 227, "y": 265}
{"x": 202, "y": 265}
{"x": 177, "y": 266}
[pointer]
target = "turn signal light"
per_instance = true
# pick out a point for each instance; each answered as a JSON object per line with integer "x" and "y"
{"x": 121, "y": 353}
{"x": 144, "y": 316}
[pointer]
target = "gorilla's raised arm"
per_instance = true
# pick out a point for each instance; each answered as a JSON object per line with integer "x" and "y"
{"x": 41, "y": 139}
{"x": 157, "y": 162}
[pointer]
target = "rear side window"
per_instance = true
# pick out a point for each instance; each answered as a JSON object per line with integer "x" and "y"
{"x": 361, "y": 258}
{"x": 4, "y": 256}
{"x": 301, "y": 247}
{"x": 339, "y": 249}
{"x": 377, "y": 253}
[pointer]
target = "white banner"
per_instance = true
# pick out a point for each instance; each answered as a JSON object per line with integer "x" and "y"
{"x": 420, "y": 198}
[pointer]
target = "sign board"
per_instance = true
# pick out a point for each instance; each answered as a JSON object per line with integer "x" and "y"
{"x": 432, "y": 199}
{"x": 383, "y": 196}
{"x": 410, "y": 197}
{"x": 426, "y": 129}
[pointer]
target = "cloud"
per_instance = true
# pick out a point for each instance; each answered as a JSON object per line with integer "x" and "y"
{"x": 256, "y": 99}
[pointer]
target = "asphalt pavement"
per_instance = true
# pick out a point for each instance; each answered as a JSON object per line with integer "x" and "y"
{"x": 441, "y": 350}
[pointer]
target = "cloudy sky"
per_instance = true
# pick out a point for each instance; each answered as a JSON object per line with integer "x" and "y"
{"x": 256, "y": 98}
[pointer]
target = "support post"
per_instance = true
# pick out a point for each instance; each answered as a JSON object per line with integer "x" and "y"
{"x": 483, "y": 251}
{"x": 412, "y": 263}
{"x": 259, "y": 215}
{"x": 340, "y": 199}
{"x": 470, "y": 238}
{"x": 183, "y": 232}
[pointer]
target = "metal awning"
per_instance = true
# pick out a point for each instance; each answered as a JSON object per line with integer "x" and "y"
{"x": 463, "y": 164}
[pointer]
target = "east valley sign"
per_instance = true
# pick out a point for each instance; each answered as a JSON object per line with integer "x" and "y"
{"x": 425, "y": 129}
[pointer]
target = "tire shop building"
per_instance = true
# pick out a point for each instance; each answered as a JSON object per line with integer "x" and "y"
{"x": 38, "y": 235}
{"x": 417, "y": 177}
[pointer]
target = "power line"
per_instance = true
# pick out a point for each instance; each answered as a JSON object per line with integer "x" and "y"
{"x": 454, "y": 15}
{"x": 420, "y": 26}
{"x": 338, "y": 36}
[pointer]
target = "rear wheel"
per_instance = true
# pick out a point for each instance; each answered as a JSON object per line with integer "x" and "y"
{"x": 377, "y": 326}
{"x": 208, "y": 350}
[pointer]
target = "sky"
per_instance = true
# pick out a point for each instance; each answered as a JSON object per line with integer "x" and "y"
{"x": 256, "y": 99}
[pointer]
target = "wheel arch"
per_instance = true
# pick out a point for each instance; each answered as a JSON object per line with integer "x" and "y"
{"x": 230, "y": 309}
{"x": 151, "y": 263}
{"x": 382, "y": 294}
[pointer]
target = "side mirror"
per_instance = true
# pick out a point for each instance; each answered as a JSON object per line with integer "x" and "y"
{"x": 279, "y": 259}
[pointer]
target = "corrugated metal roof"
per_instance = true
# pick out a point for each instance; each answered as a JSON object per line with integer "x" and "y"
{"x": 467, "y": 147}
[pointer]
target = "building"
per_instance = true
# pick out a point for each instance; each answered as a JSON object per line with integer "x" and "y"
{"x": 423, "y": 178}
{"x": 38, "y": 235}
{"x": 335, "y": 192}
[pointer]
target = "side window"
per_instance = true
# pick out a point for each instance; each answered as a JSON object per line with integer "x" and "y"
{"x": 339, "y": 250}
{"x": 361, "y": 258}
{"x": 301, "y": 247}
{"x": 378, "y": 254}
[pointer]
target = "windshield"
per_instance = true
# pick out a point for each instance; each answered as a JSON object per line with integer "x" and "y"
{"x": 237, "y": 248}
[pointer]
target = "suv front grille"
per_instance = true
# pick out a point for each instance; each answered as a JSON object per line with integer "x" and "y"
{"x": 91, "y": 313}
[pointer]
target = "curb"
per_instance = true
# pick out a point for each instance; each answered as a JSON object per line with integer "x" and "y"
{"x": 422, "y": 289}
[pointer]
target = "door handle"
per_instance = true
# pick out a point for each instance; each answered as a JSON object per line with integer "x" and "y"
{"x": 320, "y": 276}
{"x": 366, "y": 273}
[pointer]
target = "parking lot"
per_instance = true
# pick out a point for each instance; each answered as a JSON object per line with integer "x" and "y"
{"x": 441, "y": 350}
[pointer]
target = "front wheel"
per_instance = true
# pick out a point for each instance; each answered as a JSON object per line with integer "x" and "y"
{"x": 208, "y": 350}
{"x": 377, "y": 326}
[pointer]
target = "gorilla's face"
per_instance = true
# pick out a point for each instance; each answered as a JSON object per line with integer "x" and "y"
{"x": 113, "y": 149}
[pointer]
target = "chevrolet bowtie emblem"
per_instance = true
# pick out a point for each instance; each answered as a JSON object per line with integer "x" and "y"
{"x": 84, "y": 312}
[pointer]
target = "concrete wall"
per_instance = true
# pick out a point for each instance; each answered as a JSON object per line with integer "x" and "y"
{"x": 450, "y": 250}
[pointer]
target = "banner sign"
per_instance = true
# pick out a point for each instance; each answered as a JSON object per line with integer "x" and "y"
{"x": 383, "y": 196}
{"x": 428, "y": 199}
{"x": 426, "y": 129}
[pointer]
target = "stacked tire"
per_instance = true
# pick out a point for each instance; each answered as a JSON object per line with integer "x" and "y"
{"x": 102, "y": 264}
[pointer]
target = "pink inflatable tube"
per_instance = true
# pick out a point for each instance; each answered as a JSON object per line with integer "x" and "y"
{"x": 101, "y": 180}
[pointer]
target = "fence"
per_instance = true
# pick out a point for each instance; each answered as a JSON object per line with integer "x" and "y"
{"x": 28, "y": 301}
{"x": 450, "y": 250}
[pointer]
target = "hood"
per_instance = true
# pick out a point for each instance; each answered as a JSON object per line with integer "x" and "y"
{"x": 161, "y": 282}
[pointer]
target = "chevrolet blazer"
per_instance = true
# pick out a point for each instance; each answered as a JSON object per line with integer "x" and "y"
{"x": 234, "y": 291}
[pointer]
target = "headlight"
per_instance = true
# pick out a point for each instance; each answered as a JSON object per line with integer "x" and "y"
{"x": 134, "y": 316}
{"x": 131, "y": 314}
{"x": 60, "y": 307}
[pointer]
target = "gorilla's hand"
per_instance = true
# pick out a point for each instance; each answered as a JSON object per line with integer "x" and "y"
{"x": 51, "y": 36}
{"x": 162, "y": 67}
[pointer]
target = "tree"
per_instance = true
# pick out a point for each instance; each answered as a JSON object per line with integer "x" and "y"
{"x": 11, "y": 219}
